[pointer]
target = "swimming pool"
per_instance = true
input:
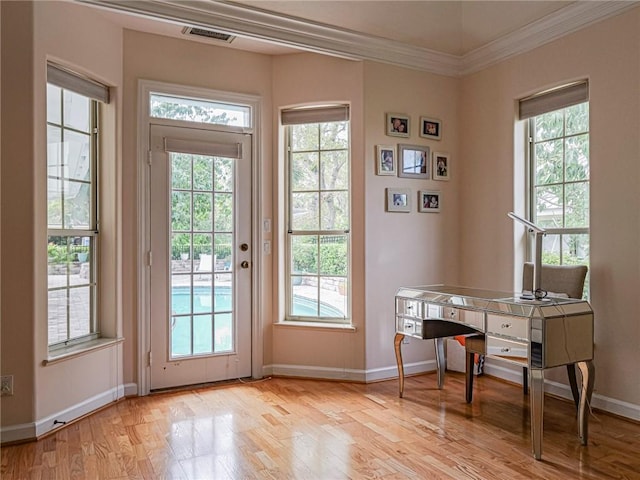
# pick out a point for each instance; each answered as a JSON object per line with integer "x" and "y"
{"x": 204, "y": 302}
{"x": 211, "y": 319}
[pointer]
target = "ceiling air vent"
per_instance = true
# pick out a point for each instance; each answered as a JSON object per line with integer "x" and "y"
{"x": 211, "y": 34}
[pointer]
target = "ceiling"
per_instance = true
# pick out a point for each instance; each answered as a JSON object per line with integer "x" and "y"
{"x": 452, "y": 27}
{"x": 449, "y": 37}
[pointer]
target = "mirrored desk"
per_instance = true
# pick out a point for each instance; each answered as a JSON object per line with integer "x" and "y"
{"x": 536, "y": 334}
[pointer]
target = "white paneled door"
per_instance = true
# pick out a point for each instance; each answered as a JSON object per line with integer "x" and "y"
{"x": 200, "y": 233}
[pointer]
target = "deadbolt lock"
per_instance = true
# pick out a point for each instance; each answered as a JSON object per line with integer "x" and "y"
{"x": 244, "y": 247}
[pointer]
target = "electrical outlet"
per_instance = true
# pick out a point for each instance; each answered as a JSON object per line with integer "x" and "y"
{"x": 6, "y": 385}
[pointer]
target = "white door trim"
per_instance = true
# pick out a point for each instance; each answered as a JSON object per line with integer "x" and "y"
{"x": 145, "y": 87}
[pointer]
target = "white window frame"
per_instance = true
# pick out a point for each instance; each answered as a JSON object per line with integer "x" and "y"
{"x": 548, "y": 102}
{"x": 96, "y": 93}
{"x": 145, "y": 89}
{"x": 314, "y": 115}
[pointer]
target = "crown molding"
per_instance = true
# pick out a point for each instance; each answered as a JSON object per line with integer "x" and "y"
{"x": 563, "y": 22}
{"x": 258, "y": 24}
{"x": 241, "y": 20}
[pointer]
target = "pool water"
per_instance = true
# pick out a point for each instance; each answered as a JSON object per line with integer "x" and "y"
{"x": 202, "y": 302}
{"x": 181, "y": 300}
{"x": 212, "y": 319}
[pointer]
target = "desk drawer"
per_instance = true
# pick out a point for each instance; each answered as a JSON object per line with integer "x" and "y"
{"x": 470, "y": 317}
{"x": 507, "y": 349}
{"x": 408, "y": 326}
{"x": 508, "y": 326}
{"x": 409, "y": 308}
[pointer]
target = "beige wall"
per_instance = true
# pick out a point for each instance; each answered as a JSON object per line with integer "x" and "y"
{"x": 470, "y": 242}
{"x": 608, "y": 54}
{"x": 17, "y": 254}
{"x": 78, "y": 38}
{"x": 81, "y": 40}
{"x": 407, "y": 248}
{"x": 164, "y": 59}
{"x": 302, "y": 79}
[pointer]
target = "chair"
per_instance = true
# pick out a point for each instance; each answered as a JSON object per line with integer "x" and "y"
{"x": 557, "y": 280}
{"x": 206, "y": 264}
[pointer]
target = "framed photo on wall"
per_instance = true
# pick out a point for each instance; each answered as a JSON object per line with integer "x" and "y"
{"x": 413, "y": 161}
{"x": 385, "y": 160}
{"x": 441, "y": 166}
{"x": 429, "y": 201}
{"x": 398, "y": 200}
{"x": 430, "y": 128}
{"x": 398, "y": 125}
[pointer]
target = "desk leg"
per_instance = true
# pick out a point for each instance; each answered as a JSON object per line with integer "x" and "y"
{"x": 397, "y": 342}
{"x": 588, "y": 373}
{"x": 536, "y": 405}
{"x": 440, "y": 361}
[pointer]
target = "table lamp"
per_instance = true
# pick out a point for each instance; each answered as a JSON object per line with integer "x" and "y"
{"x": 537, "y": 268}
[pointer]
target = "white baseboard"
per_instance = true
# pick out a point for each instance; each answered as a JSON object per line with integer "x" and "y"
{"x": 307, "y": 371}
{"x": 377, "y": 374}
{"x": 513, "y": 373}
{"x": 33, "y": 430}
{"x": 353, "y": 375}
{"x": 131, "y": 390}
{"x": 617, "y": 407}
{"x": 18, "y": 433}
{"x": 45, "y": 425}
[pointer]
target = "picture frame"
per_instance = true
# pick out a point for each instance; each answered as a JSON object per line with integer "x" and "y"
{"x": 398, "y": 125}
{"x": 430, "y": 128}
{"x": 429, "y": 201}
{"x": 398, "y": 200}
{"x": 414, "y": 161}
{"x": 441, "y": 166}
{"x": 385, "y": 160}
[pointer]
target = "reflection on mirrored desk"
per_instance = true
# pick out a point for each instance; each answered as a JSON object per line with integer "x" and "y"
{"x": 536, "y": 334}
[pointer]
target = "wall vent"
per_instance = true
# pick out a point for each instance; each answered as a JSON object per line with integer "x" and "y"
{"x": 211, "y": 34}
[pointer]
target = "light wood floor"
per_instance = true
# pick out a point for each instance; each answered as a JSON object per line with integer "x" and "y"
{"x": 305, "y": 429}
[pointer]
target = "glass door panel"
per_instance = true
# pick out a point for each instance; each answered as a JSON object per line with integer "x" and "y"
{"x": 198, "y": 317}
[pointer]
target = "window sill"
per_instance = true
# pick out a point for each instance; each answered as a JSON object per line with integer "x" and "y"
{"x": 316, "y": 326}
{"x": 80, "y": 349}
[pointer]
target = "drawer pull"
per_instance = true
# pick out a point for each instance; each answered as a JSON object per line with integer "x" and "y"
{"x": 453, "y": 313}
{"x": 505, "y": 325}
{"x": 505, "y": 349}
{"x": 408, "y": 327}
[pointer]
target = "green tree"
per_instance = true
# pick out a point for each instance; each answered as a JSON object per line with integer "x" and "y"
{"x": 319, "y": 184}
{"x": 185, "y": 109}
{"x": 202, "y": 202}
{"x": 561, "y": 177}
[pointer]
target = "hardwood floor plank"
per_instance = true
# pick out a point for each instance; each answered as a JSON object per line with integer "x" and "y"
{"x": 316, "y": 430}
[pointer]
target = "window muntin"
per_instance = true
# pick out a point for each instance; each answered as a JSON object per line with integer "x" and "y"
{"x": 202, "y": 224}
{"x": 199, "y": 110}
{"x": 559, "y": 177}
{"x": 72, "y": 137}
{"x": 318, "y": 241}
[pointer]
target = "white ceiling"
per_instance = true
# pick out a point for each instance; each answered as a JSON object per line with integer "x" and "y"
{"x": 449, "y": 37}
{"x": 452, "y": 27}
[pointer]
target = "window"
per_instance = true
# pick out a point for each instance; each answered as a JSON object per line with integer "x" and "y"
{"x": 559, "y": 174}
{"x": 199, "y": 110}
{"x": 72, "y": 213}
{"x": 318, "y": 223}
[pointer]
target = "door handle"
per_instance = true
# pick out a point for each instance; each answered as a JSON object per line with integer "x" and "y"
{"x": 244, "y": 264}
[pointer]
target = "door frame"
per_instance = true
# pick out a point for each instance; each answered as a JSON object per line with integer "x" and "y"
{"x": 143, "y": 271}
